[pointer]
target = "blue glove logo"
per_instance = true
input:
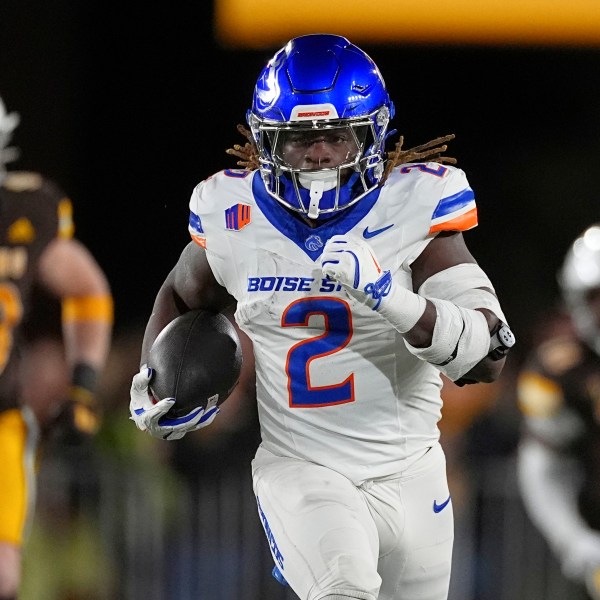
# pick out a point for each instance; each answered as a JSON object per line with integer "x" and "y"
{"x": 380, "y": 289}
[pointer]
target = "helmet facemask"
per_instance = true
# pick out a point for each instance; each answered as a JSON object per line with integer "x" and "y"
{"x": 321, "y": 190}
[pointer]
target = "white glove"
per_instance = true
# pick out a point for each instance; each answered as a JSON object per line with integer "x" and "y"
{"x": 582, "y": 562}
{"x": 351, "y": 262}
{"x": 149, "y": 415}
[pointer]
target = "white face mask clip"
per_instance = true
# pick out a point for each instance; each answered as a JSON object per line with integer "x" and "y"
{"x": 316, "y": 193}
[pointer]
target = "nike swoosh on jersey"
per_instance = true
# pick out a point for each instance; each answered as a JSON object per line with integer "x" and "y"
{"x": 369, "y": 234}
{"x": 440, "y": 507}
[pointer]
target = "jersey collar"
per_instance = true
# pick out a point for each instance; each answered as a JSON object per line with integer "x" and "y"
{"x": 309, "y": 239}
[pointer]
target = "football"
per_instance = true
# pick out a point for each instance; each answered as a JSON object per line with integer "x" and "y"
{"x": 195, "y": 357}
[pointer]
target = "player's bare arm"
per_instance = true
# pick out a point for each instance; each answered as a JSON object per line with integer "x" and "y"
{"x": 190, "y": 285}
{"x": 70, "y": 272}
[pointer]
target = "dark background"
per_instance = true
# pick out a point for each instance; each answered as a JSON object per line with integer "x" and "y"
{"x": 129, "y": 107}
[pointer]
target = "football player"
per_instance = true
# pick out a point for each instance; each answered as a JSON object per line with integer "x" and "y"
{"x": 37, "y": 248}
{"x": 352, "y": 278}
{"x": 559, "y": 394}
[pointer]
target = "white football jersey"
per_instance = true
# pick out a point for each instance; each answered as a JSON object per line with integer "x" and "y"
{"x": 335, "y": 383}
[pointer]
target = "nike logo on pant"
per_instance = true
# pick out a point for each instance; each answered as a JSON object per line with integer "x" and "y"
{"x": 440, "y": 507}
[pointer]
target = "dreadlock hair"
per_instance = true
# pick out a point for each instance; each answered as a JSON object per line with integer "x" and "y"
{"x": 248, "y": 153}
{"x": 431, "y": 151}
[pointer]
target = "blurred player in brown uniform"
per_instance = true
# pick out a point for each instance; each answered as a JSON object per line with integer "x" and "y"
{"x": 559, "y": 394}
{"x": 37, "y": 249}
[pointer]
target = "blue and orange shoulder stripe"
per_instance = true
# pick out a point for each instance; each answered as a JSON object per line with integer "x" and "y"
{"x": 457, "y": 212}
{"x": 196, "y": 230}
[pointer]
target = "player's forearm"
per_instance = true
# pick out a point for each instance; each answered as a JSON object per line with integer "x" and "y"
{"x": 167, "y": 306}
{"x": 190, "y": 285}
{"x": 453, "y": 338}
{"x": 87, "y": 342}
{"x": 87, "y": 321}
{"x": 467, "y": 312}
{"x": 421, "y": 334}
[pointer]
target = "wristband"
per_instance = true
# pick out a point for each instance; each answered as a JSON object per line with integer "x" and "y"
{"x": 83, "y": 383}
{"x": 402, "y": 308}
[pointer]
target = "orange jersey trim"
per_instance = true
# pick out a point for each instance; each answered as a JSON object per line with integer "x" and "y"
{"x": 461, "y": 223}
{"x": 200, "y": 240}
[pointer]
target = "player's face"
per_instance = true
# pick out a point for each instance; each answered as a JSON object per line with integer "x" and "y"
{"x": 317, "y": 149}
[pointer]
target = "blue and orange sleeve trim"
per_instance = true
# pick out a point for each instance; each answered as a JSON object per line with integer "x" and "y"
{"x": 455, "y": 213}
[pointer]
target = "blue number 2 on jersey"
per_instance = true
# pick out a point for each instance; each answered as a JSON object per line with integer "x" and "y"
{"x": 336, "y": 335}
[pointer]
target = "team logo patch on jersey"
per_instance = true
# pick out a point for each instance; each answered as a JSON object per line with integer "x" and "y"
{"x": 21, "y": 232}
{"x": 313, "y": 243}
{"x": 237, "y": 217}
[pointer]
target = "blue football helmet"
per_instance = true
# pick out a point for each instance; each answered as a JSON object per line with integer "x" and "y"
{"x": 320, "y": 88}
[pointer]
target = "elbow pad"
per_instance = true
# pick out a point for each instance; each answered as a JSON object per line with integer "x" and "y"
{"x": 461, "y": 337}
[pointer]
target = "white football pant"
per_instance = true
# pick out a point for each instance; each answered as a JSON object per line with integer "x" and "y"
{"x": 387, "y": 539}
